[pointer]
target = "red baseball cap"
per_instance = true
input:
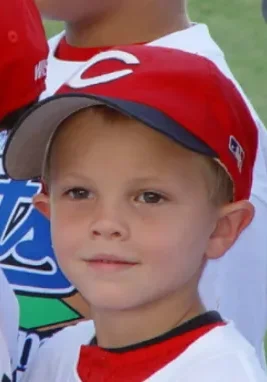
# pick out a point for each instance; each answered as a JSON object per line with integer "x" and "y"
{"x": 25, "y": 50}
{"x": 182, "y": 95}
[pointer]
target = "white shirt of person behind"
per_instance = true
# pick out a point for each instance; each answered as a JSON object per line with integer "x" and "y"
{"x": 9, "y": 322}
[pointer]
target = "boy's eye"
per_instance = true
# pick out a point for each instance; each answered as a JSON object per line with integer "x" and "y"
{"x": 78, "y": 193}
{"x": 150, "y": 197}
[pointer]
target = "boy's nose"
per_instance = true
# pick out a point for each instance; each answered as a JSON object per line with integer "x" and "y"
{"x": 109, "y": 230}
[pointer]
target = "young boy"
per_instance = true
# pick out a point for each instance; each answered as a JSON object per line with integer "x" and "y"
{"x": 22, "y": 78}
{"x": 148, "y": 171}
{"x": 237, "y": 284}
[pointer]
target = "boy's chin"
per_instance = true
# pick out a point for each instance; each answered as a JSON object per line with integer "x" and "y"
{"x": 108, "y": 299}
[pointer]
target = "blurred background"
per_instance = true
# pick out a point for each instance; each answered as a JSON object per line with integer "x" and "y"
{"x": 238, "y": 27}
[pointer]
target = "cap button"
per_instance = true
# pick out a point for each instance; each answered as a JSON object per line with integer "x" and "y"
{"x": 13, "y": 36}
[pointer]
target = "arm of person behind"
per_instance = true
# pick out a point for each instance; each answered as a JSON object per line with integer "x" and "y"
{"x": 57, "y": 359}
{"x": 5, "y": 365}
{"x": 9, "y": 324}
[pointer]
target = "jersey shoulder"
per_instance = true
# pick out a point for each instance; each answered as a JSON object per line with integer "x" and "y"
{"x": 220, "y": 355}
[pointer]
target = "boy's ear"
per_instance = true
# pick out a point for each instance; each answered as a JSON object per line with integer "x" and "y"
{"x": 233, "y": 219}
{"x": 41, "y": 203}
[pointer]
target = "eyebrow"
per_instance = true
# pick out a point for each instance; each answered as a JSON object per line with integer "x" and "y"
{"x": 73, "y": 176}
{"x": 142, "y": 179}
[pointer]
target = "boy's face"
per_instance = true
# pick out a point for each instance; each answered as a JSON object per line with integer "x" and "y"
{"x": 130, "y": 214}
{"x": 73, "y": 11}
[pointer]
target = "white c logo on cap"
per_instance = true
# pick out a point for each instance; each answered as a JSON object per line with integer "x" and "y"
{"x": 77, "y": 82}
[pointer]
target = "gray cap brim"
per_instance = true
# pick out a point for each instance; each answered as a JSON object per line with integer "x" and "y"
{"x": 27, "y": 144}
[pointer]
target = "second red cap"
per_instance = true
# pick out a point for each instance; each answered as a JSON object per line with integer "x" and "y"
{"x": 24, "y": 59}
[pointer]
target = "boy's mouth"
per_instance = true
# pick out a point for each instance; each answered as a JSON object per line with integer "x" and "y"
{"x": 109, "y": 262}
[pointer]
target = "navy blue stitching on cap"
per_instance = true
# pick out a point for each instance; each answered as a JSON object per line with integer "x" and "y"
{"x": 160, "y": 122}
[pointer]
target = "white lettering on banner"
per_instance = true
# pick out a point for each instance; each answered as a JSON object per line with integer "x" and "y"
{"x": 77, "y": 82}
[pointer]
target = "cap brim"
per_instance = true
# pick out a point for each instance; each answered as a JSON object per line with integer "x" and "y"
{"x": 26, "y": 147}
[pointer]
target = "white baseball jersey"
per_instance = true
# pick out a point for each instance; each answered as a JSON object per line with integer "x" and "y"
{"x": 221, "y": 355}
{"x": 236, "y": 284}
{"x": 9, "y": 322}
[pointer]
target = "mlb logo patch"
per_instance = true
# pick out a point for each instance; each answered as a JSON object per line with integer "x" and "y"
{"x": 237, "y": 151}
